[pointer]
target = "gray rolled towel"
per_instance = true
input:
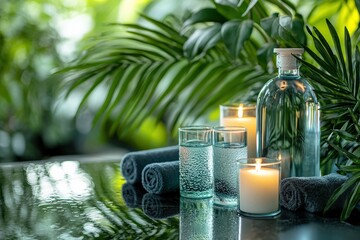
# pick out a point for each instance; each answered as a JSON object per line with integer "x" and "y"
{"x": 134, "y": 162}
{"x": 161, "y": 206}
{"x": 160, "y": 178}
{"x": 310, "y": 193}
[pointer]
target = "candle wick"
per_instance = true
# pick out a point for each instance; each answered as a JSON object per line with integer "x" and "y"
{"x": 258, "y": 165}
{"x": 240, "y": 111}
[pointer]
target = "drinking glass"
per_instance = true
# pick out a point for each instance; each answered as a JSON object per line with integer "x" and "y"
{"x": 196, "y": 162}
{"x": 229, "y": 146}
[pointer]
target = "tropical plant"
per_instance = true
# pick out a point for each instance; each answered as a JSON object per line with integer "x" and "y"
{"x": 338, "y": 87}
{"x": 180, "y": 72}
{"x": 172, "y": 70}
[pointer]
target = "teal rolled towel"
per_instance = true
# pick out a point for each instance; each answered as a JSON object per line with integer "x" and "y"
{"x": 160, "y": 178}
{"x": 310, "y": 193}
{"x": 134, "y": 162}
{"x": 160, "y": 206}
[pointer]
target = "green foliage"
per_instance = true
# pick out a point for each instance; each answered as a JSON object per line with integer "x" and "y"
{"x": 338, "y": 85}
{"x": 31, "y": 47}
{"x": 173, "y": 75}
{"x": 28, "y": 53}
{"x": 156, "y": 69}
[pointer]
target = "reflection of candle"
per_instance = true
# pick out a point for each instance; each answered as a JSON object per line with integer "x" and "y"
{"x": 259, "y": 189}
{"x": 243, "y": 120}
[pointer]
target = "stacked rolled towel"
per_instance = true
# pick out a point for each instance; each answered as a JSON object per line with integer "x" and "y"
{"x": 133, "y": 163}
{"x": 160, "y": 206}
{"x": 160, "y": 178}
{"x": 310, "y": 193}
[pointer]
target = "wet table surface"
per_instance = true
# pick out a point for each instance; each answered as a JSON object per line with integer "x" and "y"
{"x": 87, "y": 198}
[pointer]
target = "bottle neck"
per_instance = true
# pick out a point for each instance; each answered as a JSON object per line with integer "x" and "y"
{"x": 288, "y": 66}
{"x": 294, "y": 72}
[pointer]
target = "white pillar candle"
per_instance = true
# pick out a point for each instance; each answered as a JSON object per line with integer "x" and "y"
{"x": 248, "y": 122}
{"x": 259, "y": 189}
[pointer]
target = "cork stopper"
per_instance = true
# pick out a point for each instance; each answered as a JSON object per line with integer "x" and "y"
{"x": 285, "y": 59}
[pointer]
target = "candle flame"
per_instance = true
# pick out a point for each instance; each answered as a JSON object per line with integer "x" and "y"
{"x": 258, "y": 164}
{"x": 280, "y": 156}
{"x": 240, "y": 111}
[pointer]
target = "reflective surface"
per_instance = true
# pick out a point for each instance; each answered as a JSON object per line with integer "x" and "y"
{"x": 81, "y": 198}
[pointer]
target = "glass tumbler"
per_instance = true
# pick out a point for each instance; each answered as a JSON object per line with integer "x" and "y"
{"x": 196, "y": 162}
{"x": 229, "y": 146}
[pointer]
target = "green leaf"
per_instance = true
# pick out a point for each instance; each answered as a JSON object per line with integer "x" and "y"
{"x": 99, "y": 78}
{"x": 356, "y": 89}
{"x": 234, "y": 9}
{"x": 345, "y": 135}
{"x": 227, "y": 9}
{"x": 348, "y": 49}
{"x": 283, "y": 6}
{"x": 270, "y": 25}
{"x": 336, "y": 40}
{"x": 247, "y": 6}
{"x": 170, "y": 32}
{"x": 349, "y": 155}
{"x": 355, "y": 120}
{"x": 327, "y": 62}
{"x": 202, "y": 40}
{"x": 265, "y": 54}
{"x": 342, "y": 189}
{"x": 235, "y": 33}
{"x": 285, "y": 29}
{"x": 357, "y": 3}
{"x": 205, "y": 15}
{"x": 297, "y": 29}
{"x": 327, "y": 52}
{"x": 351, "y": 202}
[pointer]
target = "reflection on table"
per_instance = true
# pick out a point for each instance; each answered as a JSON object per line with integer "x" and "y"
{"x": 80, "y": 198}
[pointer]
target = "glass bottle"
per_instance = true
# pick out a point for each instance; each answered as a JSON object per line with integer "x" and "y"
{"x": 288, "y": 119}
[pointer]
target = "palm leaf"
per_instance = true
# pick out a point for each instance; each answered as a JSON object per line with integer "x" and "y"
{"x": 337, "y": 85}
{"x": 146, "y": 73}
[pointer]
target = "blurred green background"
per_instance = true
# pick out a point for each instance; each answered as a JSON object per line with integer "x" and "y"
{"x": 38, "y": 37}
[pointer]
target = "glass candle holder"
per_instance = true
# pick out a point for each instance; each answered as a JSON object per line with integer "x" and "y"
{"x": 196, "y": 162}
{"x": 259, "y": 187}
{"x": 241, "y": 115}
{"x": 229, "y": 146}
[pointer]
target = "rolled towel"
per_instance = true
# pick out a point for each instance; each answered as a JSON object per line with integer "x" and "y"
{"x": 160, "y": 178}
{"x": 134, "y": 162}
{"x": 133, "y": 195}
{"x": 310, "y": 193}
{"x": 161, "y": 206}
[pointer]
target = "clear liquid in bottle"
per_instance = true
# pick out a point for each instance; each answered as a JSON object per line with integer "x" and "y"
{"x": 288, "y": 119}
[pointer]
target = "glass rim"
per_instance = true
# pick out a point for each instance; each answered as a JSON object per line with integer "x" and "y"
{"x": 195, "y": 128}
{"x": 236, "y": 106}
{"x": 229, "y": 129}
{"x": 270, "y": 162}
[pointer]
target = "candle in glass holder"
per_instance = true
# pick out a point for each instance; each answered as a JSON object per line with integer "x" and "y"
{"x": 259, "y": 180}
{"x": 241, "y": 116}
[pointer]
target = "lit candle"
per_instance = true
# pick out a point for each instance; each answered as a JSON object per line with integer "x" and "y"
{"x": 259, "y": 188}
{"x": 244, "y": 117}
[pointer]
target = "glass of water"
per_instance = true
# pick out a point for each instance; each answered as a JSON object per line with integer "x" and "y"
{"x": 196, "y": 162}
{"x": 229, "y": 146}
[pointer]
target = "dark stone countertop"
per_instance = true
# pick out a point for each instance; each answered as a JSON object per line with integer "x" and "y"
{"x": 84, "y": 197}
